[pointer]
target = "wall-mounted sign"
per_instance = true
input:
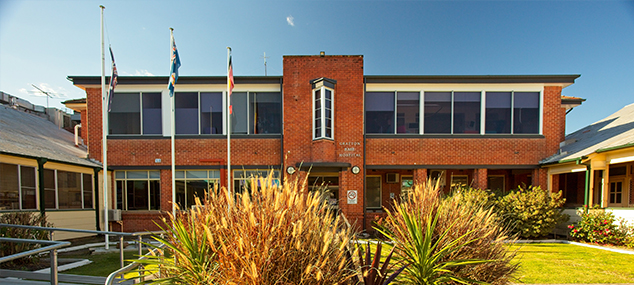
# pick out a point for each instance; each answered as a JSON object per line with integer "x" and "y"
{"x": 350, "y": 149}
{"x": 352, "y": 197}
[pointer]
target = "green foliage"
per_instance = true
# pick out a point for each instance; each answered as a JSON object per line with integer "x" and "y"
{"x": 27, "y": 219}
{"x": 599, "y": 226}
{"x": 447, "y": 240}
{"x": 532, "y": 212}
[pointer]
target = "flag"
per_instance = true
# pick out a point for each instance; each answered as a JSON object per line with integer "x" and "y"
{"x": 113, "y": 81}
{"x": 230, "y": 83}
{"x": 175, "y": 64}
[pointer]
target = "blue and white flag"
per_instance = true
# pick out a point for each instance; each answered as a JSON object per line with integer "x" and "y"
{"x": 175, "y": 64}
{"x": 113, "y": 81}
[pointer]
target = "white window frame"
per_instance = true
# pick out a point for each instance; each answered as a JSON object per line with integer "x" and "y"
{"x": 322, "y": 90}
{"x": 459, "y": 175}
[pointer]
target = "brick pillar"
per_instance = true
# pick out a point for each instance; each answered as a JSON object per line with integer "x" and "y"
{"x": 480, "y": 178}
{"x": 420, "y": 176}
{"x": 540, "y": 178}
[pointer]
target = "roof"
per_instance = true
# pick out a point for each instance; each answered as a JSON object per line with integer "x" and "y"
{"x": 564, "y": 80}
{"x": 75, "y": 101}
{"x": 615, "y": 131}
{"x": 26, "y": 135}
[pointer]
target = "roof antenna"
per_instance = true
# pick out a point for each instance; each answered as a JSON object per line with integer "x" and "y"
{"x": 265, "y": 57}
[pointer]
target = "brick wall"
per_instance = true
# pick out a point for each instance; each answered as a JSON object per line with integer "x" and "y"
{"x": 347, "y": 145}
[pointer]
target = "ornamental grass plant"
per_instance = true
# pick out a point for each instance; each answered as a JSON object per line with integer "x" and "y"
{"x": 448, "y": 240}
{"x": 273, "y": 235}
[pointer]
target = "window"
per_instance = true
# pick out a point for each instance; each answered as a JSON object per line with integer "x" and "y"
{"x": 67, "y": 190}
{"x": 328, "y": 185}
{"x": 17, "y": 187}
{"x": 135, "y": 114}
{"x": 407, "y": 112}
{"x": 466, "y": 112}
{"x": 256, "y": 113}
{"x": 526, "y": 112}
{"x": 459, "y": 181}
{"x": 138, "y": 190}
{"x": 616, "y": 192}
{"x": 195, "y": 183}
{"x": 373, "y": 192}
{"x": 437, "y": 113}
{"x": 243, "y": 179}
{"x": 379, "y": 112}
{"x": 407, "y": 183}
{"x": 498, "y": 113}
{"x": 323, "y": 113}
{"x": 198, "y": 113}
{"x": 496, "y": 183}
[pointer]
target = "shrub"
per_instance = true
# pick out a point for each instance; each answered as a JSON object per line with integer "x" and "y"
{"x": 447, "y": 241}
{"x": 27, "y": 219}
{"x": 532, "y": 212}
{"x": 275, "y": 235}
{"x": 598, "y": 226}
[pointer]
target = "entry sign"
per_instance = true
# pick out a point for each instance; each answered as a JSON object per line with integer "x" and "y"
{"x": 352, "y": 196}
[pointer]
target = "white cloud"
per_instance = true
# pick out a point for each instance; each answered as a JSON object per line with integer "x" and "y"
{"x": 140, "y": 72}
{"x": 290, "y": 20}
{"x": 54, "y": 92}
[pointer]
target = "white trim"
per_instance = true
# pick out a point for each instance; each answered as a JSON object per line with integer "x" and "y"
{"x": 483, "y": 111}
{"x": 421, "y": 112}
{"x": 541, "y": 111}
{"x": 322, "y": 102}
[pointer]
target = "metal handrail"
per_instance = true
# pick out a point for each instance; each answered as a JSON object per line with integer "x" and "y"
{"x": 52, "y": 247}
{"x": 129, "y": 267}
{"x": 121, "y": 235}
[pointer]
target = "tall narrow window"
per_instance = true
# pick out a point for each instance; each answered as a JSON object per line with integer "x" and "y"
{"x": 27, "y": 189}
{"x": 265, "y": 112}
{"x": 240, "y": 115}
{"x": 211, "y": 113}
{"x": 437, "y": 112}
{"x": 407, "y": 112}
{"x": 466, "y": 116}
{"x": 9, "y": 187}
{"x": 373, "y": 192}
{"x": 526, "y": 113}
{"x": 50, "y": 192}
{"x": 186, "y": 113}
{"x": 152, "y": 123}
{"x": 498, "y": 113}
{"x": 379, "y": 112}
{"x": 87, "y": 190}
{"x": 323, "y": 113}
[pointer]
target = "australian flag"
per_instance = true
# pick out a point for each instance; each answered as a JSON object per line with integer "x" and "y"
{"x": 113, "y": 81}
{"x": 176, "y": 63}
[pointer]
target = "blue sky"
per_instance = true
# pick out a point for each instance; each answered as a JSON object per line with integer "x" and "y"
{"x": 42, "y": 42}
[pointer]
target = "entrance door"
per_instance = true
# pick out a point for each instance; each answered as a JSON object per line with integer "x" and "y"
{"x": 328, "y": 185}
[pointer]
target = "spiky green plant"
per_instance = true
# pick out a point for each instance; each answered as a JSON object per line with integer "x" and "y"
{"x": 372, "y": 272}
{"x": 446, "y": 241}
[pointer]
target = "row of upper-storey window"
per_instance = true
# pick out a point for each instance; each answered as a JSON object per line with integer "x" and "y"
{"x": 448, "y": 112}
{"x": 451, "y": 112}
{"x": 196, "y": 113}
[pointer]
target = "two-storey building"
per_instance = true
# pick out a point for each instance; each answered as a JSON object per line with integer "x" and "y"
{"x": 366, "y": 138}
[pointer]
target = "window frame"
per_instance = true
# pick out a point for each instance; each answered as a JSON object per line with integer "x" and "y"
{"x": 21, "y": 187}
{"x": 482, "y": 117}
{"x": 367, "y": 207}
{"x": 497, "y": 176}
{"x": 185, "y": 179}
{"x": 82, "y": 191}
{"x": 140, "y": 112}
{"x": 199, "y": 113}
{"x": 248, "y": 176}
{"x": 124, "y": 204}
{"x": 322, "y": 102}
{"x": 459, "y": 176}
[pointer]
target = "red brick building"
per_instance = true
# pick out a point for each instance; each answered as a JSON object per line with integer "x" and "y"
{"x": 362, "y": 136}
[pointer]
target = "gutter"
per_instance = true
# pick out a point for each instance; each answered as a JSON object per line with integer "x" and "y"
{"x": 615, "y": 147}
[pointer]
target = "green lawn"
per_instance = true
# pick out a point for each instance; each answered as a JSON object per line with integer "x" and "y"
{"x": 539, "y": 263}
{"x": 566, "y": 263}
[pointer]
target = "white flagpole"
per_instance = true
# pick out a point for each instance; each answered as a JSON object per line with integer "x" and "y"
{"x": 173, "y": 122}
{"x": 104, "y": 129}
{"x": 229, "y": 188}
